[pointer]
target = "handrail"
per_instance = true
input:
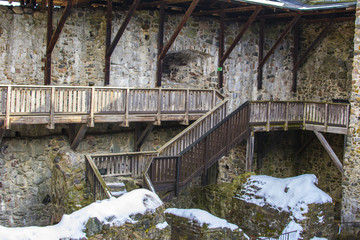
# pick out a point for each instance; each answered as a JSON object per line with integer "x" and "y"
{"x": 52, "y": 104}
{"x": 97, "y": 183}
{"x": 187, "y": 131}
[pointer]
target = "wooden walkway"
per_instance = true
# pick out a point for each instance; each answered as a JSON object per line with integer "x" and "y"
{"x": 21, "y": 104}
{"x": 198, "y": 147}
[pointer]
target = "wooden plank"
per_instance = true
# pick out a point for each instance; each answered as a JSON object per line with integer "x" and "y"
{"x": 79, "y": 136}
{"x": 329, "y": 150}
{"x": 159, "y": 103}
{"x": 127, "y": 105}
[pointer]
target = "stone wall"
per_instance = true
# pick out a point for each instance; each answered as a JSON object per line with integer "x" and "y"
{"x": 191, "y": 61}
{"x": 350, "y": 215}
{"x": 41, "y": 177}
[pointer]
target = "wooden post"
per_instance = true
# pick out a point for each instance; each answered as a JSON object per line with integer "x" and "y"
{"x": 187, "y": 105}
{"x": 178, "y": 169}
{"x": 47, "y": 76}
{"x": 250, "y": 152}
{"x": 221, "y": 50}
{"x": 127, "y": 106}
{"x": 261, "y": 51}
{"x": 160, "y": 45}
{"x": 295, "y": 56}
{"x": 268, "y": 116}
{"x": 108, "y": 41}
{"x": 158, "y": 115}
{"x": 286, "y": 117}
{"x": 326, "y": 117}
{"x": 304, "y": 117}
{"x": 92, "y": 107}
{"x": 52, "y": 109}
{"x": 8, "y": 109}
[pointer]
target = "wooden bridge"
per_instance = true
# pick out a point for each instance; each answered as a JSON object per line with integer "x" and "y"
{"x": 193, "y": 151}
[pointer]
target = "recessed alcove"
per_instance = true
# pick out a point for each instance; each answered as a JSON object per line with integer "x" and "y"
{"x": 188, "y": 68}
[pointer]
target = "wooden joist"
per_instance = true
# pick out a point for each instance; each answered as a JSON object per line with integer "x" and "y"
{"x": 329, "y": 150}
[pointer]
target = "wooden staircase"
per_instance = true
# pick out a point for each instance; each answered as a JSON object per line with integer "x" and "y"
{"x": 193, "y": 151}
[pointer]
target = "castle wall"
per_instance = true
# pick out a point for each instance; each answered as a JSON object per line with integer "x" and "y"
{"x": 78, "y": 59}
{"x": 351, "y": 184}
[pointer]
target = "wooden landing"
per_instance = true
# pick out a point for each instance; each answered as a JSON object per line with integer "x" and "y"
{"x": 89, "y": 105}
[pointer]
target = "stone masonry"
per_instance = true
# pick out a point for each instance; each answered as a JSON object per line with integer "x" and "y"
{"x": 351, "y": 183}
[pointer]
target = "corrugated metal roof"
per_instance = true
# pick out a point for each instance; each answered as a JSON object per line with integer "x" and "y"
{"x": 311, "y": 5}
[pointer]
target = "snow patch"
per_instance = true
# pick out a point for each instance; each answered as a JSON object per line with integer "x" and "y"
{"x": 287, "y": 194}
{"x": 162, "y": 225}
{"x": 114, "y": 211}
{"x": 202, "y": 217}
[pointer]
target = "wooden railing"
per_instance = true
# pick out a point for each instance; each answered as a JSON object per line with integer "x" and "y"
{"x": 174, "y": 171}
{"x": 200, "y": 145}
{"x": 96, "y": 182}
{"x": 22, "y": 104}
{"x": 123, "y": 164}
{"x": 326, "y": 117}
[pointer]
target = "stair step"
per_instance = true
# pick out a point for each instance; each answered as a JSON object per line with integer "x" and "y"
{"x": 116, "y": 188}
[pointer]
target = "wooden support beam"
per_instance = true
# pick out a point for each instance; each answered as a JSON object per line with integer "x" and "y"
{"x": 221, "y": 50}
{"x": 276, "y": 44}
{"x": 122, "y": 27}
{"x": 164, "y": 2}
{"x": 250, "y": 152}
{"x": 280, "y": 39}
{"x": 227, "y": 10}
{"x": 240, "y": 34}
{"x": 79, "y": 136}
{"x": 329, "y": 150}
{"x": 160, "y": 45}
{"x": 319, "y": 37}
{"x": 295, "y": 56}
{"x": 108, "y": 41}
{"x": 305, "y": 145}
{"x": 261, "y": 50}
{"x": 59, "y": 28}
{"x": 140, "y": 138}
{"x": 47, "y": 75}
{"x": 71, "y": 133}
{"x": 2, "y": 133}
{"x": 178, "y": 29}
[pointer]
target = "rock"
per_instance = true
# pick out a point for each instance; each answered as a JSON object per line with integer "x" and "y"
{"x": 93, "y": 226}
{"x": 28, "y": 11}
{"x": 4, "y": 9}
{"x": 18, "y": 10}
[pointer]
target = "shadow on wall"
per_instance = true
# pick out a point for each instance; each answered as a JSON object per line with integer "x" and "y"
{"x": 188, "y": 68}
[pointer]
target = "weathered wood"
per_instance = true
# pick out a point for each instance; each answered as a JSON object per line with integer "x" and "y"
{"x": 178, "y": 29}
{"x": 79, "y": 136}
{"x": 227, "y": 10}
{"x": 319, "y": 37}
{"x": 329, "y": 150}
{"x": 280, "y": 39}
{"x": 250, "y": 152}
{"x": 8, "y": 108}
{"x": 140, "y": 138}
{"x": 160, "y": 45}
{"x": 221, "y": 49}
{"x": 261, "y": 51}
{"x": 47, "y": 74}
{"x": 108, "y": 41}
{"x": 122, "y": 28}
{"x": 2, "y": 133}
{"x": 295, "y": 57}
{"x": 240, "y": 34}
{"x": 59, "y": 28}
